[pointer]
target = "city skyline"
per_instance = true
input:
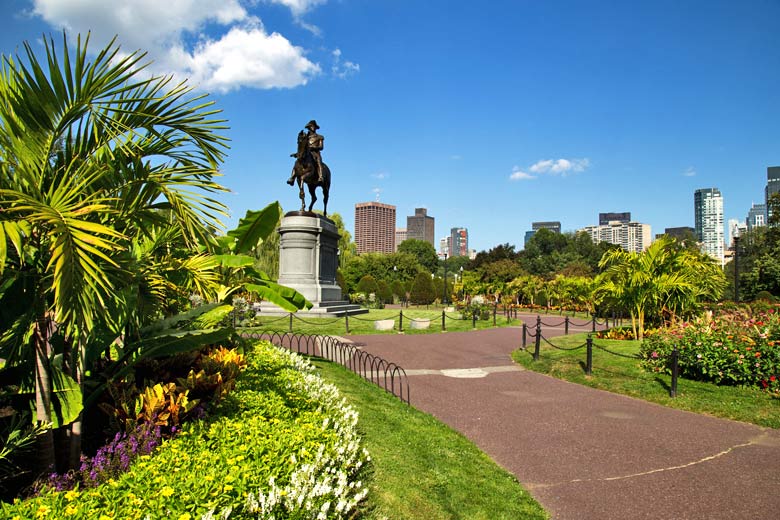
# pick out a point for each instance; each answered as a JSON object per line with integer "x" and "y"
{"x": 551, "y": 111}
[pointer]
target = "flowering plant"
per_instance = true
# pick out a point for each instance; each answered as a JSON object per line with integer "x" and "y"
{"x": 283, "y": 444}
{"x": 731, "y": 348}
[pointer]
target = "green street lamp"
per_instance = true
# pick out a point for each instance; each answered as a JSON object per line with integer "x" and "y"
{"x": 736, "y": 265}
{"x": 445, "y": 279}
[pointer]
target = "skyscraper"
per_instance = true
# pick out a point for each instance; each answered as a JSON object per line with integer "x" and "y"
{"x": 756, "y": 216}
{"x": 553, "y": 225}
{"x": 421, "y": 226}
{"x": 772, "y": 187}
{"x": 459, "y": 242}
{"x": 374, "y": 227}
{"x": 631, "y": 236}
{"x": 400, "y": 236}
{"x": 708, "y": 221}
{"x": 606, "y": 218}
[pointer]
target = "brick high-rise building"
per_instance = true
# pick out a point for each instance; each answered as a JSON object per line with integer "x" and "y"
{"x": 421, "y": 226}
{"x": 374, "y": 227}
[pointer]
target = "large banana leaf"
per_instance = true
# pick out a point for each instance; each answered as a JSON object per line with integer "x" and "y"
{"x": 235, "y": 261}
{"x": 255, "y": 227}
{"x": 285, "y": 297}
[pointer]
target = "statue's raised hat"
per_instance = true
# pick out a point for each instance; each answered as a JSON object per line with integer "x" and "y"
{"x": 312, "y": 125}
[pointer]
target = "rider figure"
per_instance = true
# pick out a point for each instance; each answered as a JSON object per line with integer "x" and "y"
{"x": 316, "y": 144}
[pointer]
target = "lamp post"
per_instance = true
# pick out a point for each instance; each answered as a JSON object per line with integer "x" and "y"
{"x": 445, "y": 279}
{"x": 463, "y": 287}
{"x": 736, "y": 265}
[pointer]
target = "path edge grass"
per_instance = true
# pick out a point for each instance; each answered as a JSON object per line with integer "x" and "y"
{"x": 625, "y": 376}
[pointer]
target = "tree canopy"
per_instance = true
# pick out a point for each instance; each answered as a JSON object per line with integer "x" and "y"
{"x": 423, "y": 251}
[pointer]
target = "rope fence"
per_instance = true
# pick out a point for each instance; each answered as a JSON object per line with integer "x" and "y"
{"x": 399, "y": 320}
{"x": 589, "y": 345}
{"x": 385, "y": 374}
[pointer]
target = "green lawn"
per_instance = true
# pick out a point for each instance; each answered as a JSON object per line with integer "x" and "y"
{"x": 625, "y": 376}
{"x": 364, "y": 323}
{"x": 421, "y": 468}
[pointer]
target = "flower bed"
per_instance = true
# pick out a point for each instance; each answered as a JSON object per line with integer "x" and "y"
{"x": 732, "y": 348}
{"x": 282, "y": 444}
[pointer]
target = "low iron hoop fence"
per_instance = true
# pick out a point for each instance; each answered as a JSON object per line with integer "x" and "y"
{"x": 385, "y": 374}
{"x": 589, "y": 345}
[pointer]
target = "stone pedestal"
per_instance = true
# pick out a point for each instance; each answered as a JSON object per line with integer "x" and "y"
{"x": 308, "y": 259}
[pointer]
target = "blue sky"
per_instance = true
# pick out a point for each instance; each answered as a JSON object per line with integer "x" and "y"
{"x": 491, "y": 115}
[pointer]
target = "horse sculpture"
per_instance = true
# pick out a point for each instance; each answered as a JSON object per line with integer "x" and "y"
{"x": 305, "y": 172}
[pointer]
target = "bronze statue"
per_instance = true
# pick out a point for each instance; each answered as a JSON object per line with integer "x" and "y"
{"x": 309, "y": 168}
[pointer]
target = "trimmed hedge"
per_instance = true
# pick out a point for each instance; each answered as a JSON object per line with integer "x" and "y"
{"x": 283, "y": 444}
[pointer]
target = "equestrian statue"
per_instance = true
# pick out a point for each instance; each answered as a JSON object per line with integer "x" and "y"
{"x": 309, "y": 168}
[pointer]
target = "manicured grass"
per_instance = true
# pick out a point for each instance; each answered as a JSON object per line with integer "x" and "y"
{"x": 364, "y": 323}
{"x": 625, "y": 376}
{"x": 422, "y": 469}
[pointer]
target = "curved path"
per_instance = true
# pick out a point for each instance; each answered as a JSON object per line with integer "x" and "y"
{"x": 585, "y": 453}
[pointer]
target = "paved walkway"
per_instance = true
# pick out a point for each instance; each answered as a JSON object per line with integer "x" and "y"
{"x": 585, "y": 453}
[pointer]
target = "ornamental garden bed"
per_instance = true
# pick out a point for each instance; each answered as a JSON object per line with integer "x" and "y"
{"x": 282, "y": 443}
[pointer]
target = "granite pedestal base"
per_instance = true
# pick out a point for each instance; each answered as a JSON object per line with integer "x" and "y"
{"x": 308, "y": 259}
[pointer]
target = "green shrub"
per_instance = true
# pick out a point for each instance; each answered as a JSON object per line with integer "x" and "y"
{"x": 367, "y": 285}
{"x": 282, "y": 444}
{"x": 731, "y": 348}
{"x": 483, "y": 310}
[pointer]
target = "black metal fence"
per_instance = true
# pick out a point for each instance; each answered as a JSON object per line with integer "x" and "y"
{"x": 589, "y": 345}
{"x": 385, "y": 374}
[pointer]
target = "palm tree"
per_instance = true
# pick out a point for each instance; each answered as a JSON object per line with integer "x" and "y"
{"x": 93, "y": 155}
{"x": 661, "y": 277}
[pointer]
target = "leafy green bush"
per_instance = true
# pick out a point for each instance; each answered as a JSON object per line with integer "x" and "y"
{"x": 733, "y": 348}
{"x": 483, "y": 310}
{"x": 282, "y": 444}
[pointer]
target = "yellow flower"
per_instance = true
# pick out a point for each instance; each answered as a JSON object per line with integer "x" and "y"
{"x": 229, "y": 478}
{"x": 43, "y": 511}
{"x": 208, "y": 478}
{"x": 167, "y": 491}
{"x": 70, "y": 510}
{"x": 71, "y": 495}
{"x": 184, "y": 516}
{"x": 228, "y": 487}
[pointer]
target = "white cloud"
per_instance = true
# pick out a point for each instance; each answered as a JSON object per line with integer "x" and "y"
{"x": 242, "y": 54}
{"x": 343, "y": 69}
{"x": 560, "y": 166}
{"x": 250, "y": 58}
{"x": 380, "y": 175}
{"x": 520, "y": 175}
{"x": 299, "y": 7}
{"x": 689, "y": 172}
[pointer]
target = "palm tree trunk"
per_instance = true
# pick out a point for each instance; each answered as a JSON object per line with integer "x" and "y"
{"x": 75, "y": 427}
{"x": 43, "y": 391}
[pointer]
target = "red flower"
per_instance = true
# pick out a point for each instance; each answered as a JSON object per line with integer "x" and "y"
{"x": 773, "y": 378}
